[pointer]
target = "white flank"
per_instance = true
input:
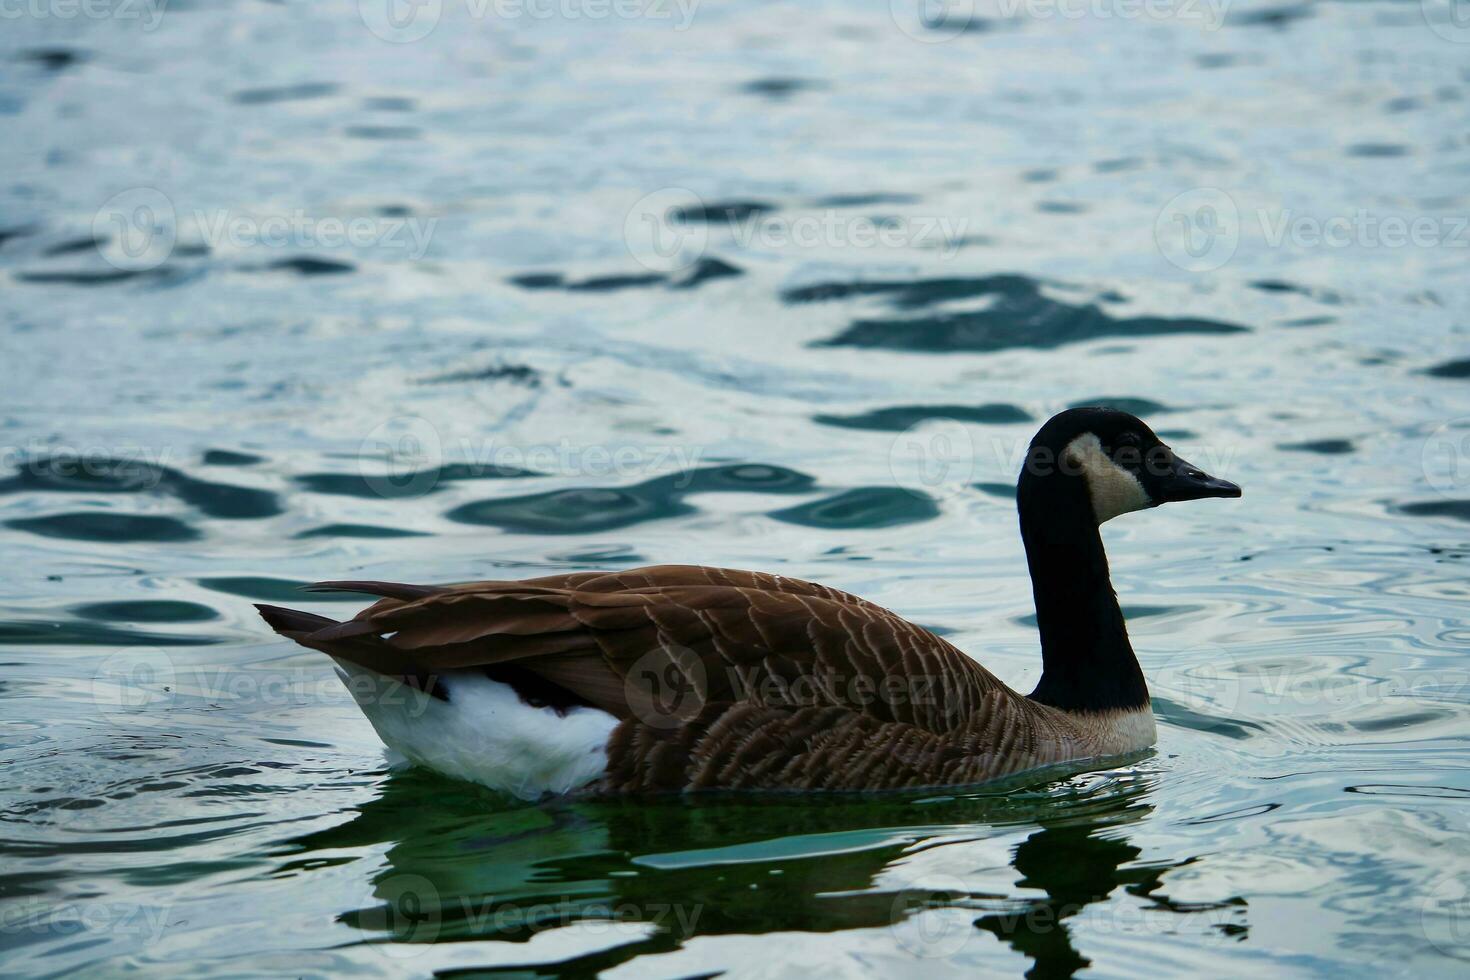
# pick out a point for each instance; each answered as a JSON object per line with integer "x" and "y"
{"x": 484, "y": 733}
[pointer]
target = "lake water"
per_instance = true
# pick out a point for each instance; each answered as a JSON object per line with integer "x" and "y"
{"x": 305, "y": 291}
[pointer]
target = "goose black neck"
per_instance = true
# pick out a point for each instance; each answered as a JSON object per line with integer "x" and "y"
{"x": 1087, "y": 662}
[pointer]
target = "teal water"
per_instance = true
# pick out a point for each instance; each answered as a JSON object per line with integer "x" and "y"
{"x": 785, "y": 286}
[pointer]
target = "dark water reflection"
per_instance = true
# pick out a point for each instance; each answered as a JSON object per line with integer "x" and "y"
{"x": 1019, "y": 315}
{"x": 765, "y": 865}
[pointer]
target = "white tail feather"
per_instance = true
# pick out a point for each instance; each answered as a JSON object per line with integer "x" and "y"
{"x": 484, "y": 733}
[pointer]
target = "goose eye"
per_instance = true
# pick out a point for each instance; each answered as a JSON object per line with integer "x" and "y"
{"x": 1128, "y": 440}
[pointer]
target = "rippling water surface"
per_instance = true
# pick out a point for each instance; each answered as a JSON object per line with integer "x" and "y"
{"x": 782, "y": 286}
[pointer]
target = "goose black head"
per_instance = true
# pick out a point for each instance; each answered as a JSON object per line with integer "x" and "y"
{"x": 1116, "y": 460}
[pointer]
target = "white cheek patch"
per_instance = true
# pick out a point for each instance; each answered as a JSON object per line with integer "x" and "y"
{"x": 1113, "y": 489}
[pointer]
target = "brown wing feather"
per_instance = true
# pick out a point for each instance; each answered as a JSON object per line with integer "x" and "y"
{"x": 754, "y": 637}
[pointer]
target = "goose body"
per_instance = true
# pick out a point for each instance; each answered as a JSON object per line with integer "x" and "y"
{"x": 685, "y": 677}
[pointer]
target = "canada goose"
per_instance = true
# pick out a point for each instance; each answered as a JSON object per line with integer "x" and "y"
{"x": 682, "y": 677}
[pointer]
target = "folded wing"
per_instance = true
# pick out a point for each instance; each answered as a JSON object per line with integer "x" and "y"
{"x": 664, "y": 641}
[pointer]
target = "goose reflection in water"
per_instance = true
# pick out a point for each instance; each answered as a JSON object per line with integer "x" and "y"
{"x": 1041, "y": 867}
